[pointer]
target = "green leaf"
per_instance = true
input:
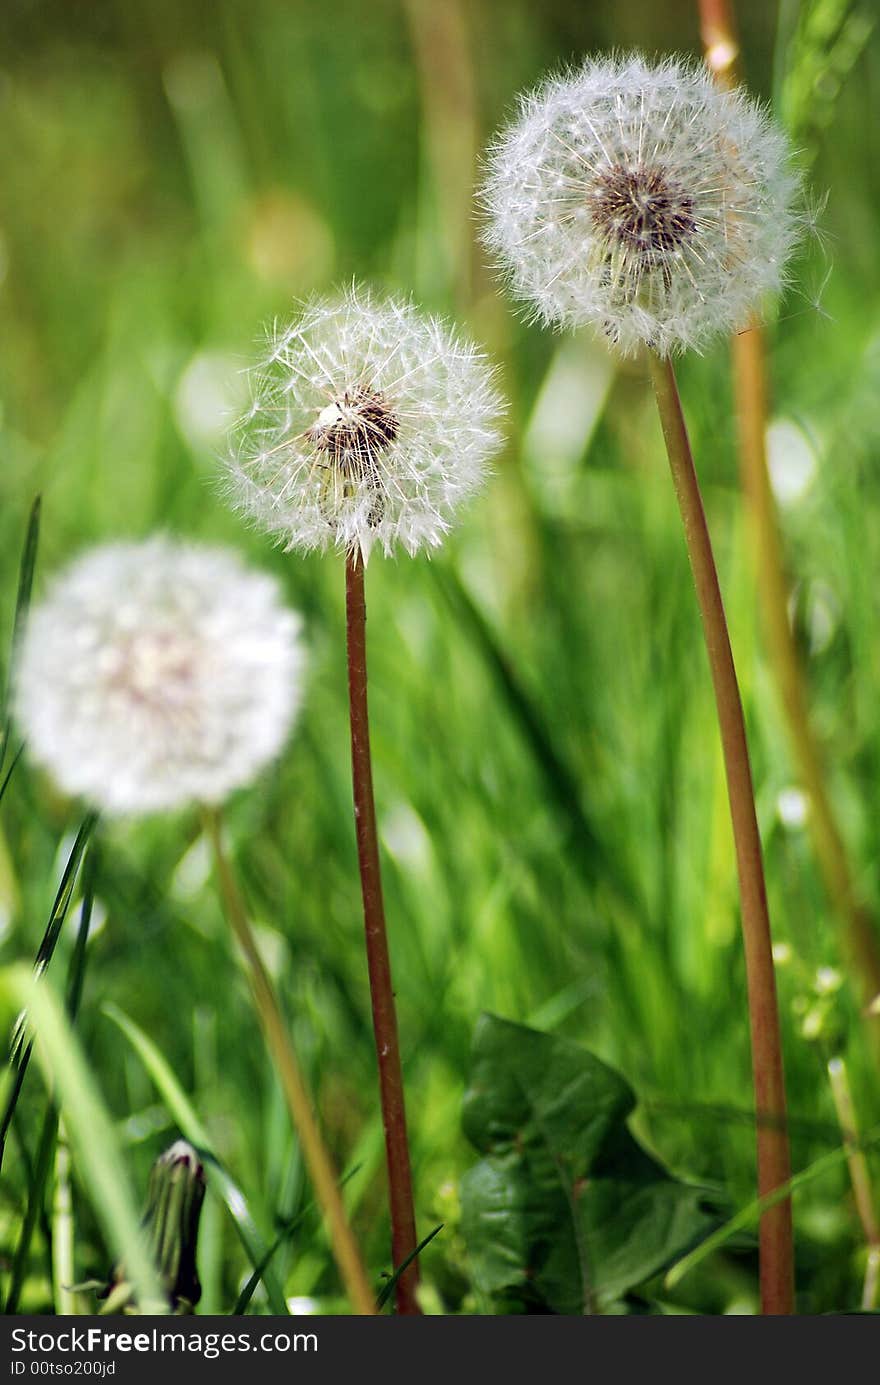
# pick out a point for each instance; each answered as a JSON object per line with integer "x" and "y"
{"x": 220, "y": 1182}
{"x": 566, "y": 1212}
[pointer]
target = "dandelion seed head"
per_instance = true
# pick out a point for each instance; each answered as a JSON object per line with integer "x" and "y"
{"x": 369, "y": 423}
{"x": 156, "y": 674}
{"x": 641, "y": 200}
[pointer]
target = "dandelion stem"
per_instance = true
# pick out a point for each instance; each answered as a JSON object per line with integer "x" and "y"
{"x": 774, "y": 1160}
{"x": 719, "y": 39}
{"x": 860, "y": 939}
{"x": 403, "y": 1226}
{"x": 318, "y": 1162}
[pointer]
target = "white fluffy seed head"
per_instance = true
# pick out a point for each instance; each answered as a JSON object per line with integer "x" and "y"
{"x": 643, "y": 201}
{"x": 156, "y": 674}
{"x": 369, "y": 423}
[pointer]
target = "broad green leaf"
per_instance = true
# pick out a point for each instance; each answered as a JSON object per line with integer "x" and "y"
{"x": 221, "y": 1183}
{"x": 566, "y": 1211}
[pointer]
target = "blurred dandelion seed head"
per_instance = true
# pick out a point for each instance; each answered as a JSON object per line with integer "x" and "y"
{"x": 643, "y": 201}
{"x": 369, "y": 422}
{"x": 158, "y": 673}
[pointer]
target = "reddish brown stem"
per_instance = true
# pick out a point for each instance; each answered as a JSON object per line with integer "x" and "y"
{"x": 774, "y": 1160}
{"x": 403, "y": 1223}
{"x": 719, "y": 39}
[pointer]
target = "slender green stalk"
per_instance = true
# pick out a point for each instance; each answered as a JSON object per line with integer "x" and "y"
{"x": 318, "y": 1162}
{"x": 860, "y": 1178}
{"x": 774, "y": 1160}
{"x": 52, "y": 1147}
{"x": 860, "y": 940}
{"x": 859, "y": 936}
{"x": 403, "y": 1221}
{"x": 63, "y": 1273}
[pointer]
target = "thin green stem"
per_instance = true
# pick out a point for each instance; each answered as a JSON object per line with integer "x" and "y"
{"x": 403, "y": 1222}
{"x": 63, "y": 1273}
{"x": 318, "y": 1162}
{"x": 774, "y": 1160}
{"x": 859, "y": 935}
{"x": 859, "y": 1176}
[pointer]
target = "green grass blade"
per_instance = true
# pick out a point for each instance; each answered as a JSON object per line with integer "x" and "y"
{"x": 247, "y": 1293}
{"x": 561, "y": 782}
{"x": 191, "y": 1127}
{"x": 100, "y": 1162}
{"x": 64, "y": 895}
{"x": 388, "y": 1288}
{"x": 22, "y": 602}
{"x": 753, "y": 1211}
{"x": 77, "y": 969}
{"x": 284, "y": 1234}
{"x": 20, "y": 1045}
{"x": 36, "y": 1187}
{"x": 48, "y": 1134}
{"x": 4, "y": 784}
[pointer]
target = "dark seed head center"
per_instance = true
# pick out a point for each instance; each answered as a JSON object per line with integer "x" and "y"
{"x": 642, "y": 209}
{"x": 355, "y": 430}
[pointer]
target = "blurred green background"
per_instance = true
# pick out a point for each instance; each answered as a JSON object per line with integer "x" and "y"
{"x": 549, "y": 784}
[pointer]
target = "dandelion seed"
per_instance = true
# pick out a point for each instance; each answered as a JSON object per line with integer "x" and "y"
{"x": 642, "y": 201}
{"x": 369, "y": 422}
{"x": 158, "y": 673}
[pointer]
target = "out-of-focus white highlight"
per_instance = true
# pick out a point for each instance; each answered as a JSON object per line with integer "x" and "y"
{"x": 791, "y": 460}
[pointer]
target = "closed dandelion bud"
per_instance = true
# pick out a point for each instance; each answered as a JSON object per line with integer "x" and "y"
{"x": 175, "y": 1197}
{"x": 157, "y": 674}
{"x": 171, "y": 1223}
{"x": 643, "y": 201}
{"x": 369, "y": 423}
